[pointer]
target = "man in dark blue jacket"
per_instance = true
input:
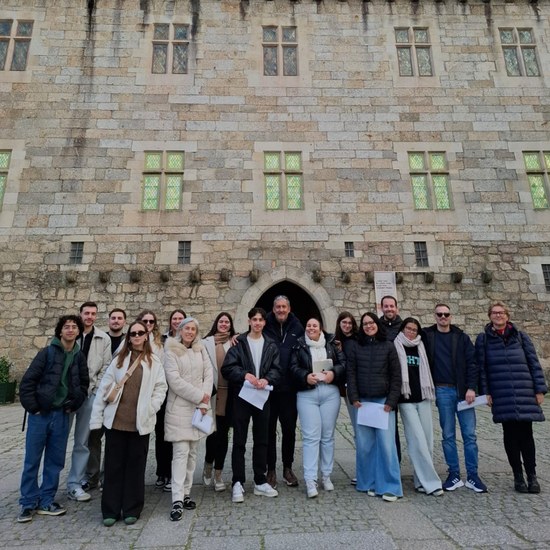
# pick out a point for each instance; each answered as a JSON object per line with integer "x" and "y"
{"x": 54, "y": 385}
{"x": 456, "y": 378}
{"x": 284, "y": 328}
{"x": 253, "y": 359}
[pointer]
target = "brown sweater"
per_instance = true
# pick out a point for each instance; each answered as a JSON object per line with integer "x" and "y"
{"x": 125, "y": 417}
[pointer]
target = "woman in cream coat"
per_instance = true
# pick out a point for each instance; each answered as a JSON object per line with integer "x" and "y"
{"x": 128, "y": 422}
{"x": 189, "y": 373}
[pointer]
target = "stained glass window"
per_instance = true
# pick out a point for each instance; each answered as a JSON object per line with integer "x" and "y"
{"x": 519, "y": 51}
{"x": 429, "y": 180}
{"x": 537, "y": 166}
{"x": 170, "y": 49}
{"x": 280, "y": 49}
{"x": 5, "y": 157}
{"x": 163, "y": 177}
{"x": 414, "y": 56}
{"x": 20, "y": 44}
{"x": 283, "y": 181}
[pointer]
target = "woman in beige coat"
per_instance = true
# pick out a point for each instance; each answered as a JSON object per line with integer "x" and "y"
{"x": 189, "y": 375}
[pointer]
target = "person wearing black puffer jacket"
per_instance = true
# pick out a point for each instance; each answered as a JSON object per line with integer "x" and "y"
{"x": 317, "y": 366}
{"x": 516, "y": 389}
{"x": 374, "y": 375}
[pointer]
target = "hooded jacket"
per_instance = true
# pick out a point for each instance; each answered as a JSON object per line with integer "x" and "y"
{"x": 513, "y": 372}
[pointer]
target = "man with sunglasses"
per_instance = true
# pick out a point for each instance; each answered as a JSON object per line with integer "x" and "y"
{"x": 456, "y": 378}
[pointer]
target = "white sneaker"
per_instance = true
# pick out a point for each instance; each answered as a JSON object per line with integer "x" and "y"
{"x": 265, "y": 490}
{"x": 311, "y": 489}
{"x": 238, "y": 492}
{"x": 219, "y": 485}
{"x": 79, "y": 494}
{"x": 327, "y": 484}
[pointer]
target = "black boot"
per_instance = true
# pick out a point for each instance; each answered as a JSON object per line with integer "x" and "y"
{"x": 519, "y": 483}
{"x": 533, "y": 484}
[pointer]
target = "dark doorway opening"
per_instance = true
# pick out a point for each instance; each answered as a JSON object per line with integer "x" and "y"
{"x": 301, "y": 303}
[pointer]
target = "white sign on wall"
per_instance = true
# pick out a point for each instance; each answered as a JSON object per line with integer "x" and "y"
{"x": 384, "y": 285}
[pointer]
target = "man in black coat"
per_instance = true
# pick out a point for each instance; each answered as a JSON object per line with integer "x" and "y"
{"x": 54, "y": 385}
{"x": 284, "y": 328}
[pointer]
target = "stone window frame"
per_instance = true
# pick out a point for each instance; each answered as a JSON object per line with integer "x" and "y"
{"x": 500, "y": 75}
{"x": 284, "y": 174}
{"x": 538, "y": 281}
{"x": 453, "y": 151}
{"x": 170, "y": 44}
{"x": 280, "y": 43}
{"x": 164, "y": 173}
{"x": 14, "y": 39}
{"x": 255, "y": 75}
{"x": 519, "y": 48}
{"x": 436, "y": 56}
{"x": 542, "y": 172}
{"x": 413, "y": 45}
{"x": 521, "y": 184}
{"x": 430, "y": 173}
{"x": 18, "y": 163}
{"x": 4, "y": 171}
{"x": 259, "y": 215}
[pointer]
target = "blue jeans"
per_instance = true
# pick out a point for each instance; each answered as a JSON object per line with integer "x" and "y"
{"x": 376, "y": 458}
{"x": 318, "y": 410}
{"x": 446, "y": 400}
{"x": 80, "y": 453}
{"x": 47, "y": 435}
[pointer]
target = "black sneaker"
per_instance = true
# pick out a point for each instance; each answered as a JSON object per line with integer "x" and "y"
{"x": 177, "y": 511}
{"x": 189, "y": 504}
{"x": 25, "y": 515}
{"x": 53, "y": 509}
{"x": 476, "y": 484}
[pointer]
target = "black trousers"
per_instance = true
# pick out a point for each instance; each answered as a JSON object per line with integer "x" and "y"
{"x": 163, "y": 449}
{"x": 282, "y": 408}
{"x": 519, "y": 443}
{"x": 125, "y": 462}
{"x": 217, "y": 443}
{"x": 93, "y": 469}
{"x": 242, "y": 413}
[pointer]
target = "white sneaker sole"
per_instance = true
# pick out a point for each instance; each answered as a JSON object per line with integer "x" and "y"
{"x": 262, "y": 494}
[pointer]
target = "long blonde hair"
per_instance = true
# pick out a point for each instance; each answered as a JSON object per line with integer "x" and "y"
{"x": 157, "y": 340}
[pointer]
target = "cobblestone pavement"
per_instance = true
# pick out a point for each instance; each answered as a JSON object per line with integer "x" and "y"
{"x": 343, "y": 518}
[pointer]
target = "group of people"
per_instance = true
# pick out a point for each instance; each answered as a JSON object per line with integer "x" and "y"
{"x": 125, "y": 385}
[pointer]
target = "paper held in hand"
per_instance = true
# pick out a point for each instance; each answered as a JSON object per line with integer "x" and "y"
{"x": 373, "y": 415}
{"x": 202, "y": 422}
{"x": 479, "y": 400}
{"x": 254, "y": 396}
{"x": 321, "y": 365}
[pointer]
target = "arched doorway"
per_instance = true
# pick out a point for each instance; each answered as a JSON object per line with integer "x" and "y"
{"x": 301, "y": 303}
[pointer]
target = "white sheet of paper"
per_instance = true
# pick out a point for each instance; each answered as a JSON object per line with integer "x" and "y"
{"x": 322, "y": 364}
{"x": 373, "y": 415}
{"x": 479, "y": 400}
{"x": 255, "y": 396}
{"x": 202, "y": 422}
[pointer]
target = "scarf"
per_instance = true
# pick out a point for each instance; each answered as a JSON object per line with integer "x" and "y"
{"x": 426, "y": 383}
{"x": 317, "y": 347}
{"x": 220, "y": 339}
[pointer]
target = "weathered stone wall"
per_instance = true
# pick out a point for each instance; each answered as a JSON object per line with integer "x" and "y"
{"x": 81, "y": 116}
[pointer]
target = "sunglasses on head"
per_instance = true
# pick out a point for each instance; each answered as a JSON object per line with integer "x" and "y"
{"x": 135, "y": 333}
{"x": 148, "y": 321}
{"x": 442, "y": 314}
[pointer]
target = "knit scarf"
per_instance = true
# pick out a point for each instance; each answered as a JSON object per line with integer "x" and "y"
{"x": 317, "y": 347}
{"x": 426, "y": 383}
{"x": 220, "y": 339}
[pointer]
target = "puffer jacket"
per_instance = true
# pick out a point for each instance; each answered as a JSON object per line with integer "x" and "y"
{"x": 301, "y": 363}
{"x": 41, "y": 380}
{"x": 151, "y": 395}
{"x": 238, "y": 363}
{"x": 513, "y": 374}
{"x": 373, "y": 370}
{"x": 189, "y": 374}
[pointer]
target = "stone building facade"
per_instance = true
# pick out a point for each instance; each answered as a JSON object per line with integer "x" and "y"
{"x": 207, "y": 153}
